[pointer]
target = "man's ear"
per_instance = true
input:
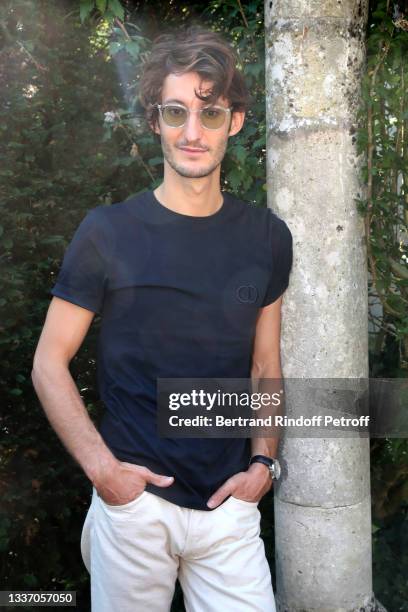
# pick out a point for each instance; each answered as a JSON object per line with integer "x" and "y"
{"x": 154, "y": 126}
{"x": 237, "y": 121}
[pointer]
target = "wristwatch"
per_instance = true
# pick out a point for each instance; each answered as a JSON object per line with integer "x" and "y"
{"x": 272, "y": 464}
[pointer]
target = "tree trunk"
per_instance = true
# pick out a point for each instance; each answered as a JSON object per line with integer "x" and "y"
{"x": 315, "y": 54}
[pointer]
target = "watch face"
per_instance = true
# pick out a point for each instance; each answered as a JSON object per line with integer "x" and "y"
{"x": 276, "y": 469}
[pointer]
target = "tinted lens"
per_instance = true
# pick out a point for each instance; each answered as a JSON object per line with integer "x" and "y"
{"x": 212, "y": 118}
{"x": 174, "y": 116}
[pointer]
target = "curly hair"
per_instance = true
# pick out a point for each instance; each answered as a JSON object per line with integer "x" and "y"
{"x": 194, "y": 49}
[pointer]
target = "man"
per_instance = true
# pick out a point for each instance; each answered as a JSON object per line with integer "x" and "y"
{"x": 188, "y": 281}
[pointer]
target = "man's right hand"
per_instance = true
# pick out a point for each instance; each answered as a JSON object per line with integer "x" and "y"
{"x": 124, "y": 482}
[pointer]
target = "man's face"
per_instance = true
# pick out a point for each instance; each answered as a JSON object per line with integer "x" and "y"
{"x": 212, "y": 144}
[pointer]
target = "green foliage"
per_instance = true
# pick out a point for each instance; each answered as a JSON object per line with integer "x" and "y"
{"x": 110, "y": 9}
{"x": 383, "y": 137}
{"x": 390, "y": 562}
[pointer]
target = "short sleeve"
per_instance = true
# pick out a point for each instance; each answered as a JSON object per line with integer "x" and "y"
{"x": 282, "y": 259}
{"x": 83, "y": 273}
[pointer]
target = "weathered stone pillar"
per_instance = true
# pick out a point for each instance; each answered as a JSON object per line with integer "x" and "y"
{"x": 315, "y": 53}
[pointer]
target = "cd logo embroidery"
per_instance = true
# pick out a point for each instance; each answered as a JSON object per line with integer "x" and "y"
{"x": 247, "y": 294}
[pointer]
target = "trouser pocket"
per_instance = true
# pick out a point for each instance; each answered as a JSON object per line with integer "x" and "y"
{"x": 86, "y": 538}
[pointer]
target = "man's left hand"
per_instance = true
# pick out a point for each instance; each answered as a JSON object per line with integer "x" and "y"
{"x": 249, "y": 486}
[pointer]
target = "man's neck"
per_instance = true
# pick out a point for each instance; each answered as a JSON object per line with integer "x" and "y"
{"x": 193, "y": 197}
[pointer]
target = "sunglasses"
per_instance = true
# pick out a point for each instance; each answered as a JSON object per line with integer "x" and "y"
{"x": 175, "y": 115}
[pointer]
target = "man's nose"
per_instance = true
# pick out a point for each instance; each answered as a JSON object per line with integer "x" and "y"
{"x": 193, "y": 128}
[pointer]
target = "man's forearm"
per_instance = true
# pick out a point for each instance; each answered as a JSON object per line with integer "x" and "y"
{"x": 270, "y": 381}
{"x": 69, "y": 418}
{"x": 264, "y": 446}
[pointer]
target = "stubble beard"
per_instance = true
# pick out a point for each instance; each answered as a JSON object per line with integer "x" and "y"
{"x": 191, "y": 171}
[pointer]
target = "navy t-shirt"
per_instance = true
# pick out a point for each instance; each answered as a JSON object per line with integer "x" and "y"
{"x": 178, "y": 297}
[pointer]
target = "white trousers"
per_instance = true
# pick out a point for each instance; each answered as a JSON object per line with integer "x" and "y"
{"x": 134, "y": 553}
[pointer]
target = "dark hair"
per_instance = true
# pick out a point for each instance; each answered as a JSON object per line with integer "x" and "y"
{"x": 193, "y": 49}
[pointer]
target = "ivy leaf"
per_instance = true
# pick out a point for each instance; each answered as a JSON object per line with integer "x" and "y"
{"x": 234, "y": 178}
{"x": 16, "y": 392}
{"x": 30, "y": 580}
{"x": 115, "y": 47}
{"x": 240, "y": 153}
{"x": 133, "y": 48}
{"x": 101, "y": 6}
{"x": 117, "y": 9}
{"x": 85, "y": 9}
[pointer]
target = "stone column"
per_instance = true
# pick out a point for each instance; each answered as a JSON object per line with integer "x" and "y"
{"x": 315, "y": 54}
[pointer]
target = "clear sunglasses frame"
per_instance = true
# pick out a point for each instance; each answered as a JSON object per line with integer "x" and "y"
{"x": 226, "y": 111}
